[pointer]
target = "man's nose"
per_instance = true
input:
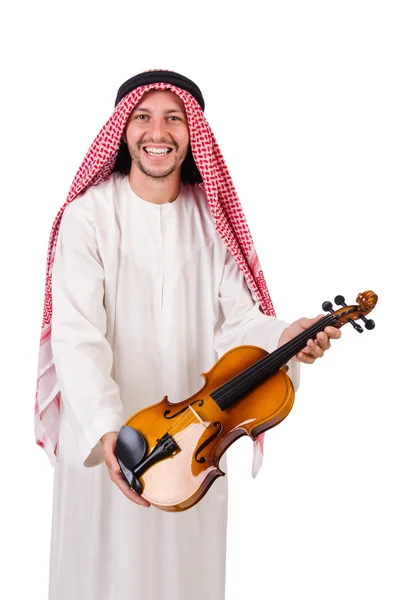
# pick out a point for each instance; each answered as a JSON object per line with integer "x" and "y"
{"x": 158, "y": 129}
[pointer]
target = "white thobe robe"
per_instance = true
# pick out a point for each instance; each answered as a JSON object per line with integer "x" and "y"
{"x": 146, "y": 297}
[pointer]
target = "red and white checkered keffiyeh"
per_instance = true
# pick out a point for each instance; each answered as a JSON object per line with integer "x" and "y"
{"x": 225, "y": 207}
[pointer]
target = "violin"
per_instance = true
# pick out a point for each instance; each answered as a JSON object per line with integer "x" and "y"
{"x": 169, "y": 452}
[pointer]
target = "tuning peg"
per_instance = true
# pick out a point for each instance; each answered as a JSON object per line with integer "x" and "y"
{"x": 369, "y": 323}
{"x": 327, "y": 306}
{"x": 340, "y": 301}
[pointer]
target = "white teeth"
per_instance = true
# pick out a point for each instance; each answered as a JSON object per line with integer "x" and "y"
{"x": 158, "y": 151}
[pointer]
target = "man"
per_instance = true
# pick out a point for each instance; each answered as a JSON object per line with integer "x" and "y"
{"x": 153, "y": 276}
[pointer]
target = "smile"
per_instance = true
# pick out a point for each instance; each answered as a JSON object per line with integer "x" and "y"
{"x": 157, "y": 151}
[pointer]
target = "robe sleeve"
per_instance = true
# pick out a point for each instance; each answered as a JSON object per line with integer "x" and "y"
{"x": 83, "y": 357}
{"x": 242, "y": 320}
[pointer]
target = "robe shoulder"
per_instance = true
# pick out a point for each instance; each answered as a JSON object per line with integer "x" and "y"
{"x": 96, "y": 200}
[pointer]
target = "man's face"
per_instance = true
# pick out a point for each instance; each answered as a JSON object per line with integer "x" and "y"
{"x": 157, "y": 134}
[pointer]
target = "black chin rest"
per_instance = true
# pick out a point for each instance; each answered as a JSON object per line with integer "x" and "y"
{"x": 131, "y": 448}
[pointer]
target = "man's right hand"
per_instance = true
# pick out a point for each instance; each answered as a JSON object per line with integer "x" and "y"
{"x": 108, "y": 448}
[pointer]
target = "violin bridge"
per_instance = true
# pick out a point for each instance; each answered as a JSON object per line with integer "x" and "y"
{"x": 205, "y": 425}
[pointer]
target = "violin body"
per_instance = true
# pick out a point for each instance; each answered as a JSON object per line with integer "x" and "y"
{"x": 169, "y": 453}
{"x": 203, "y": 431}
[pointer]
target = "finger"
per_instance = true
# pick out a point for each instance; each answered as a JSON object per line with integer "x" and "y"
{"x": 123, "y": 486}
{"x": 121, "y": 483}
{"x": 306, "y": 351}
{"x": 333, "y": 332}
{"x": 323, "y": 340}
{"x": 110, "y": 459}
{"x": 304, "y": 358}
{"x": 315, "y": 350}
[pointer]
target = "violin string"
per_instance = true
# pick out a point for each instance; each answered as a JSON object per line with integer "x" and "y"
{"x": 189, "y": 419}
{"x": 242, "y": 378}
{"x": 239, "y": 384}
{"x": 272, "y": 359}
{"x": 179, "y": 423}
{"x": 184, "y": 434}
{"x": 187, "y": 416}
{"x": 187, "y": 433}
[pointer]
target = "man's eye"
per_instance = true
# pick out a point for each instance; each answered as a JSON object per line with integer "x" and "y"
{"x": 174, "y": 117}
{"x": 139, "y": 117}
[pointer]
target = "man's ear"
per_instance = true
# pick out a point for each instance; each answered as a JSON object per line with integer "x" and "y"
{"x": 124, "y": 137}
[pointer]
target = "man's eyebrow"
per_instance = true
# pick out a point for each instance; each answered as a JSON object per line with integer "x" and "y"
{"x": 167, "y": 112}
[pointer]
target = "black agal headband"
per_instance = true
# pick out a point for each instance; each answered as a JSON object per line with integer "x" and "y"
{"x": 171, "y": 77}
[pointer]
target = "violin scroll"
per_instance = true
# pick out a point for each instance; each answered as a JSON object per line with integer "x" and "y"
{"x": 367, "y": 301}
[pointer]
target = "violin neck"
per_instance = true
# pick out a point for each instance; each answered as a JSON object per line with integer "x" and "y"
{"x": 244, "y": 382}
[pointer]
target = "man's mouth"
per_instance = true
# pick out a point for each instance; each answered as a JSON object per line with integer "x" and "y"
{"x": 157, "y": 151}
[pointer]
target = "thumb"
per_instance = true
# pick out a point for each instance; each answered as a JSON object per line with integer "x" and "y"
{"x": 111, "y": 463}
{"x": 109, "y": 456}
{"x": 116, "y": 467}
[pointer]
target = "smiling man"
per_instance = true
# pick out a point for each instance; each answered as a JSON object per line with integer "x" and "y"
{"x": 152, "y": 275}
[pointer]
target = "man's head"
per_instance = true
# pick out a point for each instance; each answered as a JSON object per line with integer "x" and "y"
{"x": 159, "y": 122}
{"x": 157, "y": 134}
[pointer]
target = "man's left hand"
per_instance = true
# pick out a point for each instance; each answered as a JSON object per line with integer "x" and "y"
{"x": 315, "y": 348}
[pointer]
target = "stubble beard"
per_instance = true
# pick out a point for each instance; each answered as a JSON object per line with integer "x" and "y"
{"x": 154, "y": 173}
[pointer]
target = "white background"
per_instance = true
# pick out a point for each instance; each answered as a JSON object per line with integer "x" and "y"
{"x": 302, "y": 99}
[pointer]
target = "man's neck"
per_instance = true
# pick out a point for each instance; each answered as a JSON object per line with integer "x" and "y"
{"x": 157, "y": 191}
